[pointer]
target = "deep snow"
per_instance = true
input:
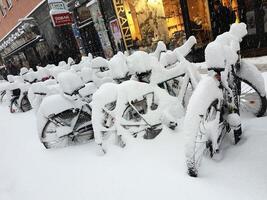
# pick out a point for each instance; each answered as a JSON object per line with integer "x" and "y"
{"x": 142, "y": 170}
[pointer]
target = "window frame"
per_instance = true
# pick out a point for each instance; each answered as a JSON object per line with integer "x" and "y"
{"x": 9, "y": 4}
{"x": 3, "y": 10}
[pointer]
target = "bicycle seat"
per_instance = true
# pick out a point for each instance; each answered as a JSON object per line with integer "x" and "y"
{"x": 218, "y": 70}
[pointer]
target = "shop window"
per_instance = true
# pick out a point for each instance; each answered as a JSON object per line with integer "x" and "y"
{"x": 174, "y": 20}
{"x": 9, "y": 4}
{"x": 153, "y": 20}
{"x": 200, "y": 21}
{"x": 233, "y": 6}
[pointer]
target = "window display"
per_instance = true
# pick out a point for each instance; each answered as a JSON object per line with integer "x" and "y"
{"x": 200, "y": 21}
{"x": 152, "y": 20}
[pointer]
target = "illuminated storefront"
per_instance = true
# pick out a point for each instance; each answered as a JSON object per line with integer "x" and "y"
{"x": 144, "y": 22}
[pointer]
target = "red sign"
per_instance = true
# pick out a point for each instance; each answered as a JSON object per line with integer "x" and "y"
{"x": 62, "y": 19}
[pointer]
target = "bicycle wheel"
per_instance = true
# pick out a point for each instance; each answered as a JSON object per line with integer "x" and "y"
{"x": 174, "y": 87}
{"x": 25, "y": 104}
{"x": 135, "y": 122}
{"x": 2, "y": 94}
{"x": 251, "y": 100}
{"x": 201, "y": 142}
{"x": 84, "y": 128}
{"x": 14, "y": 106}
{"x": 58, "y": 133}
{"x": 188, "y": 94}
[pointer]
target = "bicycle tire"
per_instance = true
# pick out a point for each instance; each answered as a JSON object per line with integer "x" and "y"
{"x": 130, "y": 114}
{"x": 65, "y": 140}
{"x": 201, "y": 140}
{"x": 25, "y": 104}
{"x": 3, "y": 93}
{"x": 246, "y": 99}
{"x": 14, "y": 106}
{"x": 175, "y": 90}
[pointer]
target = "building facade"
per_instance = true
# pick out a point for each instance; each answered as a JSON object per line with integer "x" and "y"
{"x": 103, "y": 27}
{"x": 31, "y": 39}
{"x": 144, "y": 22}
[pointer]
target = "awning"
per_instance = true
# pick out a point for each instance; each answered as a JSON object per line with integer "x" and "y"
{"x": 36, "y": 39}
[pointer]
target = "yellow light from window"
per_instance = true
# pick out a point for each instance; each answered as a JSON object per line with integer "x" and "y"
{"x": 152, "y": 1}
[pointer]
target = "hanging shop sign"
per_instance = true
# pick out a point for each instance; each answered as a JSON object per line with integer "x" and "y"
{"x": 57, "y": 5}
{"x": 59, "y": 14}
{"x": 61, "y": 19}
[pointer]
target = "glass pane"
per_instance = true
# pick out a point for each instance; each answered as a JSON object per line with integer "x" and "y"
{"x": 153, "y": 20}
{"x": 250, "y": 15}
{"x": 232, "y": 5}
{"x": 200, "y": 20}
{"x": 175, "y": 24}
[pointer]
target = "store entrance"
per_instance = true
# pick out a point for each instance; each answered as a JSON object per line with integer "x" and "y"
{"x": 91, "y": 40}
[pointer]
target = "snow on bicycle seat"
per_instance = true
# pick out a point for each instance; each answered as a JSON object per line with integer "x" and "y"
{"x": 239, "y": 30}
{"x": 99, "y": 62}
{"x": 215, "y": 55}
{"x": 140, "y": 61}
{"x": 69, "y": 82}
{"x": 118, "y": 66}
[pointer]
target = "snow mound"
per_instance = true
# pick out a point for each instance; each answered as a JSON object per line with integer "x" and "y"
{"x": 118, "y": 66}
{"x": 140, "y": 61}
{"x": 69, "y": 82}
{"x": 214, "y": 55}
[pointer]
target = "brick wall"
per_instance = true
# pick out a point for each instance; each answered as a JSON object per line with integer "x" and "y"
{"x": 19, "y": 9}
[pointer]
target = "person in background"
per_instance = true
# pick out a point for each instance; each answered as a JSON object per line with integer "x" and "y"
{"x": 12, "y": 69}
{"x": 58, "y": 53}
{"x": 222, "y": 18}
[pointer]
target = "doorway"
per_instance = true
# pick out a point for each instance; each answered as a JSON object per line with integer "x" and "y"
{"x": 91, "y": 40}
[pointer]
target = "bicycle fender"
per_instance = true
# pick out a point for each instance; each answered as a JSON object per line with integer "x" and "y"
{"x": 51, "y": 105}
{"x": 55, "y": 104}
{"x": 250, "y": 73}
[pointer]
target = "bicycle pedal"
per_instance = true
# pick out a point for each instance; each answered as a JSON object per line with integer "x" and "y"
{"x": 173, "y": 125}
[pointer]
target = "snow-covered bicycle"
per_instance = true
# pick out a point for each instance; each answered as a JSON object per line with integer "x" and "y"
{"x": 65, "y": 119}
{"x": 213, "y": 110}
{"x": 132, "y": 108}
{"x": 17, "y": 88}
{"x": 137, "y": 107}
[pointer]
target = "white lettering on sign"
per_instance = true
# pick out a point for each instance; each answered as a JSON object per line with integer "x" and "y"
{"x": 57, "y": 6}
{"x": 62, "y": 18}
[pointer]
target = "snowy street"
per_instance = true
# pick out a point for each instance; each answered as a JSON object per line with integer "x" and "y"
{"x": 144, "y": 169}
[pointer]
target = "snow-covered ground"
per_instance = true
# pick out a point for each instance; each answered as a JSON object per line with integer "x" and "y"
{"x": 260, "y": 62}
{"x": 142, "y": 170}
